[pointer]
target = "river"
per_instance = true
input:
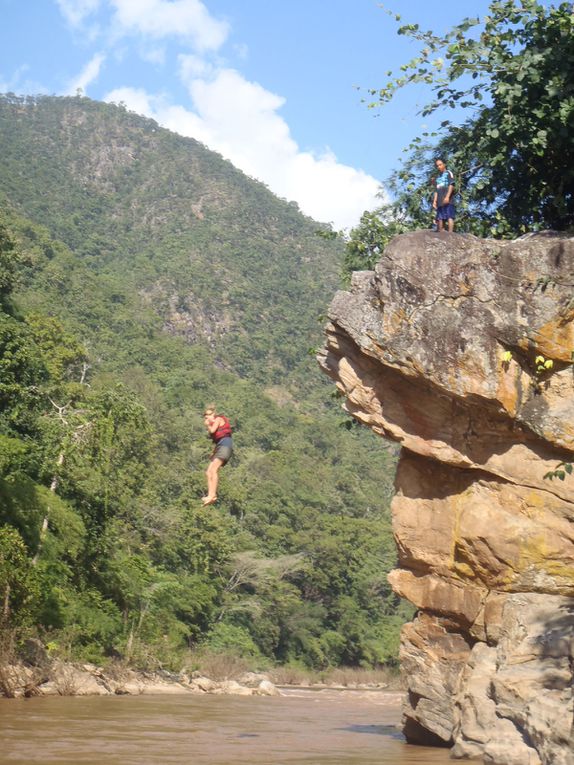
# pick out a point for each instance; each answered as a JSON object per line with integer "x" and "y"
{"x": 305, "y": 727}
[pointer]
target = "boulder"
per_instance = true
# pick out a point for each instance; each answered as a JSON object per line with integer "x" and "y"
{"x": 71, "y": 680}
{"x": 252, "y": 679}
{"x": 266, "y": 688}
{"x": 204, "y": 684}
{"x": 233, "y": 688}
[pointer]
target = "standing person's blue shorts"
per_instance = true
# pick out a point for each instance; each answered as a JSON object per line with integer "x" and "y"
{"x": 446, "y": 211}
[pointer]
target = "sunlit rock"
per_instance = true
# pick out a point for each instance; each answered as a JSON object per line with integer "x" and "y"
{"x": 461, "y": 349}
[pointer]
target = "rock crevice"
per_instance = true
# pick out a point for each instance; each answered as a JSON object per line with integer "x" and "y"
{"x": 461, "y": 349}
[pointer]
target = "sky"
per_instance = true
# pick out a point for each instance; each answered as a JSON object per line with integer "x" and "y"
{"x": 278, "y": 87}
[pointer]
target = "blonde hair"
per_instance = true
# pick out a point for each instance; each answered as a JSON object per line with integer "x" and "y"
{"x": 210, "y": 409}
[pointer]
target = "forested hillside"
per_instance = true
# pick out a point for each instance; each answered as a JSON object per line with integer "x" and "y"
{"x": 214, "y": 253}
{"x": 141, "y": 277}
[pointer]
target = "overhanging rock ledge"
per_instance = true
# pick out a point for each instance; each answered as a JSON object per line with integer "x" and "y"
{"x": 461, "y": 349}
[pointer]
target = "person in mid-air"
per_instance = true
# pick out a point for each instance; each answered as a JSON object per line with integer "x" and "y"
{"x": 443, "y": 197}
{"x": 219, "y": 429}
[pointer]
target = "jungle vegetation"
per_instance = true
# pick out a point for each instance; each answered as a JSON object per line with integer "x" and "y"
{"x": 142, "y": 277}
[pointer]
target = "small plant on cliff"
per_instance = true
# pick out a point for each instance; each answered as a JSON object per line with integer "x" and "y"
{"x": 560, "y": 471}
{"x": 543, "y": 365}
{"x": 506, "y": 359}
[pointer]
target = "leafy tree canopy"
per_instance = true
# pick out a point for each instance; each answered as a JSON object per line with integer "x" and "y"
{"x": 513, "y": 157}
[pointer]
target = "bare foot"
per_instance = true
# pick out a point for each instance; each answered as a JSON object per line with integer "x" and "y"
{"x": 209, "y": 500}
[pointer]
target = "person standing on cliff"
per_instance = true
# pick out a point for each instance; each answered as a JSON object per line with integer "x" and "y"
{"x": 443, "y": 196}
{"x": 219, "y": 429}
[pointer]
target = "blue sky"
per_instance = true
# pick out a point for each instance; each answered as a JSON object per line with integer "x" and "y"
{"x": 269, "y": 84}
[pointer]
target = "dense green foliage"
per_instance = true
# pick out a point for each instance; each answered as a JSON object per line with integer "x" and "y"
{"x": 141, "y": 277}
{"x": 368, "y": 240}
{"x": 513, "y": 157}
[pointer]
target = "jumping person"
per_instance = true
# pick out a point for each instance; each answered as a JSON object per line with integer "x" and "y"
{"x": 219, "y": 429}
{"x": 443, "y": 196}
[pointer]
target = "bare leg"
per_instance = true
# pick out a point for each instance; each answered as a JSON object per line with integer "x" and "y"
{"x": 451, "y": 225}
{"x": 439, "y": 224}
{"x": 212, "y": 480}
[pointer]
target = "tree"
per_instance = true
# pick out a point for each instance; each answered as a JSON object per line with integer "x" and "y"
{"x": 368, "y": 240}
{"x": 22, "y": 370}
{"x": 7, "y": 264}
{"x": 17, "y": 582}
{"x": 514, "y": 158}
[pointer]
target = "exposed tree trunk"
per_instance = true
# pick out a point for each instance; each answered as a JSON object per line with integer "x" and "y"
{"x": 129, "y": 644}
{"x": 44, "y": 528}
{"x": 134, "y": 629}
{"x": 6, "y": 605}
{"x": 85, "y": 367}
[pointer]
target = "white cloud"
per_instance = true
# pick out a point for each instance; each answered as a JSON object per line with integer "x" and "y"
{"x": 135, "y": 99}
{"x": 76, "y": 11}
{"x": 154, "y": 55}
{"x": 187, "y": 19}
{"x": 328, "y": 190}
{"x": 191, "y": 66}
{"x": 240, "y": 120}
{"x": 88, "y": 74}
{"x": 20, "y": 83}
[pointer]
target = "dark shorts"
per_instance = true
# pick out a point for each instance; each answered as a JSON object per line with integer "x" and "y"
{"x": 224, "y": 449}
{"x": 445, "y": 212}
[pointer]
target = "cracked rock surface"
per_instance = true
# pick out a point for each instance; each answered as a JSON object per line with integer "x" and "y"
{"x": 461, "y": 349}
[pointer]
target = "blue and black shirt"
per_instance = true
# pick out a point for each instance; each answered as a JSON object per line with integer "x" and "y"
{"x": 442, "y": 183}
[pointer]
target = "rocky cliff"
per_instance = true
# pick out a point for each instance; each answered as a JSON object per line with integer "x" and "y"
{"x": 461, "y": 349}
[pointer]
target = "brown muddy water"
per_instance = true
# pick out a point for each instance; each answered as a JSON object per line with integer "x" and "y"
{"x": 305, "y": 727}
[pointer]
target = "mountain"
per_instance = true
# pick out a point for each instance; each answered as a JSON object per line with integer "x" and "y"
{"x": 141, "y": 277}
{"x": 219, "y": 258}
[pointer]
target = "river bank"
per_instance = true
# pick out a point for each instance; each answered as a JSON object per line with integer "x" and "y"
{"x": 57, "y": 678}
{"x": 68, "y": 679}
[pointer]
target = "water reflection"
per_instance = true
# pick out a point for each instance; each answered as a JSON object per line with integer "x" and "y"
{"x": 307, "y": 728}
{"x": 381, "y": 730}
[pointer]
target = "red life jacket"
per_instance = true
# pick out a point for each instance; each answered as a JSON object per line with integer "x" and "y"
{"x": 223, "y": 430}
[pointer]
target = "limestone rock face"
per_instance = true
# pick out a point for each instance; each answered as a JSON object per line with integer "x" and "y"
{"x": 461, "y": 349}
